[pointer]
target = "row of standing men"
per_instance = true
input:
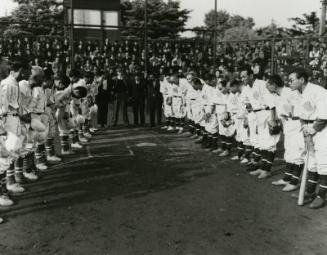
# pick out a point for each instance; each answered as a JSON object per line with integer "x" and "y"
{"x": 254, "y": 114}
{"x": 36, "y": 107}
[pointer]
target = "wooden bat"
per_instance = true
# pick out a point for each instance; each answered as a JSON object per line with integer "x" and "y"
{"x": 300, "y": 201}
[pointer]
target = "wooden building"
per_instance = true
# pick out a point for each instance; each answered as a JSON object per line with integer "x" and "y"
{"x": 94, "y": 12}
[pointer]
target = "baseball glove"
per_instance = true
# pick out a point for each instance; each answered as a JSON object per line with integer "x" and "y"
{"x": 226, "y": 120}
{"x": 26, "y": 118}
{"x": 275, "y": 127}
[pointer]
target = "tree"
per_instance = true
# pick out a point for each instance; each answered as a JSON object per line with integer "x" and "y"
{"x": 36, "y": 17}
{"x": 308, "y": 23}
{"x": 233, "y": 24}
{"x": 164, "y": 19}
{"x": 240, "y": 33}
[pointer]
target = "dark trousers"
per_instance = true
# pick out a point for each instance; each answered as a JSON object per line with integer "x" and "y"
{"x": 139, "y": 111}
{"x": 155, "y": 108}
{"x": 120, "y": 102}
{"x": 103, "y": 113}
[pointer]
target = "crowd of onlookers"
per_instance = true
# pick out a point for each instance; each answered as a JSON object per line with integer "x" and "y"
{"x": 127, "y": 58}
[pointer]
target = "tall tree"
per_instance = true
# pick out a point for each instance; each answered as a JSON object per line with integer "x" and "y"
{"x": 308, "y": 23}
{"x": 164, "y": 19}
{"x": 46, "y": 16}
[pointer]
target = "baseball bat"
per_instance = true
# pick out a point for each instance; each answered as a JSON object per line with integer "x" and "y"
{"x": 300, "y": 201}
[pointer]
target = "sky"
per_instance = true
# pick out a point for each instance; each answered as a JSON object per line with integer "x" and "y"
{"x": 263, "y": 11}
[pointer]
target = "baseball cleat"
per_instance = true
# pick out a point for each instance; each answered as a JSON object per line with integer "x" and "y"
{"x": 234, "y": 158}
{"x": 317, "y": 203}
{"x": 15, "y": 188}
{"x": 31, "y": 176}
{"x": 290, "y": 187}
{"x": 41, "y": 167}
{"x": 5, "y": 201}
{"x": 264, "y": 174}
{"x": 280, "y": 182}
{"x": 255, "y": 172}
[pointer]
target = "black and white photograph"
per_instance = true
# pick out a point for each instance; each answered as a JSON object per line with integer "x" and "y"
{"x": 163, "y": 127}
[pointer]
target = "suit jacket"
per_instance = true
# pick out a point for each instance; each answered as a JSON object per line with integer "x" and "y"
{"x": 104, "y": 91}
{"x": 138, "y": 91}
{"x": 153, "y": 89}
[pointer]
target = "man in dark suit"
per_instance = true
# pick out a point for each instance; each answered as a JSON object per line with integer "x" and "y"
{"x": 154, "y": 100}
{"x": 137, "y": 98}
{"x": 120, "y": 93}
{"x": 102, "y": 100}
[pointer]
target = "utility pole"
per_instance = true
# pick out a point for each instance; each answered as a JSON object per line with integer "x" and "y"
{"x": 323, "y": 17}
{"x": 71, "y": 35}
{"x": 146, "y": 38}
{"x": 215, "y": 38}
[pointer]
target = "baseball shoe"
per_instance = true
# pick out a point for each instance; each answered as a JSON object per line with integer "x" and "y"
{"x": 317, "y": 203}
{"x": 187, "y": 134}
{"x": 41, "y": 167}
{"x": 31, "y": 176}
{"x": 53, "y": 159}
{"x": 194, "y": 136}
{"x": 290, "y": 187}
{"x": 244, "y": 161}
{"x": 219, "y": 150}
{"x": 256, "y": 172}
{"x": 65, "y": 153}
{"x": 83, "y": 140}
{"x": 5, "y": 201}
{"x": 264, "y": 174}
{"x": 164, "y": 128}
{"x": 15, "y": 188}
{"x": 87, "y": 135}
{"x": 76, "y": 146}
{"x": 198, "y": 140}
{"x": 279, "y": 182}
{"x": 224, "y": 153}
{"x": 1, "y": 220}
{"x": 180, "y": 131}
{"x": 234, "y": 158}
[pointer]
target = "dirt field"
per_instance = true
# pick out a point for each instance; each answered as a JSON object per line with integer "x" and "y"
{"x": 139, "y": 191}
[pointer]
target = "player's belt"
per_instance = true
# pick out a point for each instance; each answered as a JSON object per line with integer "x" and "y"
{"x": 263, "y": 109}
{"x": 177, "y": 96}
{"x": 37, "y": 113}
{"x": 15, "y": 114}
{"x": 192, "y": 99}
{"x": 307, "y": 121}
{"x": 293, "y": 118}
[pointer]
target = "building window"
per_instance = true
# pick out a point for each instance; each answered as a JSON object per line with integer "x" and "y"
{"x": 86, "y": 17}
{"x": 110, "y": 18}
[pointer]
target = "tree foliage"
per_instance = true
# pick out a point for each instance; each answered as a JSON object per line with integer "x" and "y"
{"x": 308, "y": 23}
{"x": 46, "y": 16}
{"x": 229, "y": 27}
{"x": 164, "y": 19}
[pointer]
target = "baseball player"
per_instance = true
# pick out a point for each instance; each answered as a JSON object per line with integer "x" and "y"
{"x": 288, "y": 109}
{"x": 63, "y": 98}
{"x": 178, "y": 101}
{"x": 165, "y": 88}
{"x": 50, "y": 112}
{"x": 9, "y": 112}
{"x": 314, "y": 120}
{"x": 37, "y": 107}
{"x": 210, "y": 121}
{"x": 264, "y": 143}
